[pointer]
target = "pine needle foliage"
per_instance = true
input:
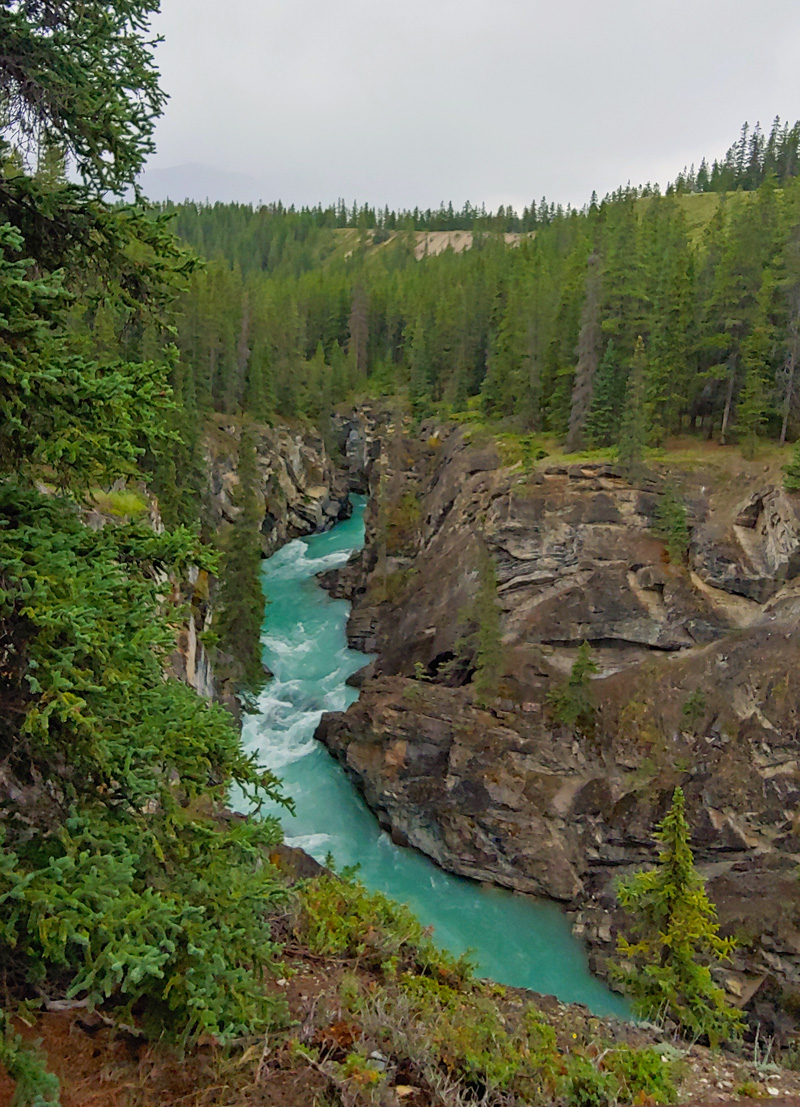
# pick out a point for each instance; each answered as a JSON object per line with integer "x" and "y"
{"x": 24, "y": 1063}
{"x": 571, "y": 703}
{"x": 666, "y": 967}
{"x": 487, "y": 637}
{"x": 121, "y": 883}
{"x": 116, "y": 882}
{"x": 240, "y": 608}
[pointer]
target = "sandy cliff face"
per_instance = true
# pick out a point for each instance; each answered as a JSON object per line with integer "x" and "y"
{"x": 696, "y": 685}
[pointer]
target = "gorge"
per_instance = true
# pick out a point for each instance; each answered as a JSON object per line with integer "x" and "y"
{"x": 514, "y": 939}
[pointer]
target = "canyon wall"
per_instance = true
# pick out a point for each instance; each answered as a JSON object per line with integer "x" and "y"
{"x": 696, "y": 683}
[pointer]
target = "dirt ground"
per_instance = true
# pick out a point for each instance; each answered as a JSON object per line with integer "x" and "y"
{"x": 99, "y": 1067}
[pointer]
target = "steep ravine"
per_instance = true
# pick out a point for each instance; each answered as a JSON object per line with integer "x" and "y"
{"x": 304, "y": 492}
{"x": 696, "y": 685}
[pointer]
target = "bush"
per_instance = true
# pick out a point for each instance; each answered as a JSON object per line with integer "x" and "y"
{"x": 337, "y": 916}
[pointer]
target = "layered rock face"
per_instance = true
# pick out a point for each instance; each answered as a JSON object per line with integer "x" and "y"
{"x": 696, "y": 683}
{"x": 304, "y": 493}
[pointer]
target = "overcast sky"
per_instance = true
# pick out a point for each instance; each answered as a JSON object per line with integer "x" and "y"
{"x": 408, "y": 102}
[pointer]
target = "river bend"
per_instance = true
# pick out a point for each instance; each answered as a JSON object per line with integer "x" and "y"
{"x": 515, "y": 939}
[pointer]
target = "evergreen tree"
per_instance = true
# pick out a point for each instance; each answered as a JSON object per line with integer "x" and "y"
{"x": 667, "y": 966}
{"x": 419, "y": 368}
{"x": 751, "y": 412}
{"x": 670, "y": 370}
{"x": 572, "y": 703}
{"x": 240, "y": 606}
{"x": 633, "y": 429}
{"x": 117, "y": 885}
{"x": 488, "y": 645}
{"x": 602, "y": 424}
{"x": 672, "y": 525}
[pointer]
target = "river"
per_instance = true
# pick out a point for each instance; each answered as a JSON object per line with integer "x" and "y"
{"x": 515, "y": 939}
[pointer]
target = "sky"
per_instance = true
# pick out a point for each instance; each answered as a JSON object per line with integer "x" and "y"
{"x": 410, "y": 102}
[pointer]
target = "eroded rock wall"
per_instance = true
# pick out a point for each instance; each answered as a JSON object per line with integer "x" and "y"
{"x": 304, "y": 492}
{"x": 696, "y": 684}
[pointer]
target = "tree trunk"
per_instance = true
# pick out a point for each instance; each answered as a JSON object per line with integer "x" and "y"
{"x": 728, "y": 404}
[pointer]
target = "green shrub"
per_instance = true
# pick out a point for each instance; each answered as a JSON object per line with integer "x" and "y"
{"x": 34, "y": 1085}
{"x": 338, "y": 917}
{"x": 694, "y": 708}
{"x": 586, "y": 1085}
{"x": 791, "y": 471}
{"x": 401, "y": 524}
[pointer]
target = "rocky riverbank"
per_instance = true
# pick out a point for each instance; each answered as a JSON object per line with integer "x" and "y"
{"x": 696, "y": 683}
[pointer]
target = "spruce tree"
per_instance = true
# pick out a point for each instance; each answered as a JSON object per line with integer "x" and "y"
{"x": 571, "y": 702}
{"x": 118, "y": 887}
{"x": 633, "y": 429}
{"x": 488, "y": 643}
{"x": 751, "y": 412}
{"x": 240, "y": 608}
{"x": 602, "y": 424}
{"x": 667, "y": 965}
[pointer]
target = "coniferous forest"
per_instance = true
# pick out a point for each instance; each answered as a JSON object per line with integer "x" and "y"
{"x": 544, "y": 321}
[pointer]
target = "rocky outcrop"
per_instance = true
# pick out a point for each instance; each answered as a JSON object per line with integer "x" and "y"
{"x": 303, "y": 491}
{"x": 696, "y": 683}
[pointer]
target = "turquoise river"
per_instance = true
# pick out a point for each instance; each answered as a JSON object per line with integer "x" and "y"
{"x": 515, "y": 939}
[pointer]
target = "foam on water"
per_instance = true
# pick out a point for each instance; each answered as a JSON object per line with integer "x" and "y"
{"x": 517, "y": 939}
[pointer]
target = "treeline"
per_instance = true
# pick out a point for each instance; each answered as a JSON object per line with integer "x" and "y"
{"x": 546, "y": 334}
{"x": 215, "y": 228}
{"x": 256, "y": 236}
{"x": 753, "y": 158}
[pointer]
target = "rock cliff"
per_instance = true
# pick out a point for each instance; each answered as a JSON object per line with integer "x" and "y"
{"x": 696, "y": 683}
{"x": 303, "y": 492}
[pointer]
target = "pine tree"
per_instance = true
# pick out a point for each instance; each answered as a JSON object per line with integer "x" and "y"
{"x": 358, "y": 326}
{"x": 488, "y": 644}
{"x": 671, "y": 362}
{"x": 667, "y": 967}
{"x": 602, "y": 424}
{"x": 672, "y": 525}
{"x": 140, "y": 900}
{"x": 240, "y": 607}
{"x": 419, "y": 369}
{"x": 633, "y": 429}
{"x": 572, "y": 703}
{"x": 751, "y": 411}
